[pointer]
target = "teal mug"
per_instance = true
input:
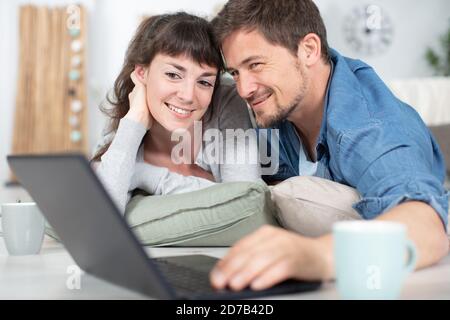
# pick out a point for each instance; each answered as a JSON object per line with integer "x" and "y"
{"x": 372, "y": 259}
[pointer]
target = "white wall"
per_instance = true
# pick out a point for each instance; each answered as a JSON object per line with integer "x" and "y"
{"x": 417, "y": 24}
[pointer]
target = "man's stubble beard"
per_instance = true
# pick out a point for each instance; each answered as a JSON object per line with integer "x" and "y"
{"x": 283, "y": 112}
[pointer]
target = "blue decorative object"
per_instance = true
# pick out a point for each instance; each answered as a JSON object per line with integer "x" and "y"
{"x": 74, "y": 75}
{"x": 74, "y": 32}
{"x": 76, "y": 136}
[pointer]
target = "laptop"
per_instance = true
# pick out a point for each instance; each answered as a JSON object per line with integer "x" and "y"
{"x": 98, "y": 238}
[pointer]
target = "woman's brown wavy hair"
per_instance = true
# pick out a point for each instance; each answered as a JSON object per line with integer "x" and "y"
{"x": 171, "y": 34}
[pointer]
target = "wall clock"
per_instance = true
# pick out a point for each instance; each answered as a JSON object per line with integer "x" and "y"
{"x": 368, "y": 30}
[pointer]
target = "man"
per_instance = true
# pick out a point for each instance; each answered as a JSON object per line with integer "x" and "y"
{"x": 338, "y": 115}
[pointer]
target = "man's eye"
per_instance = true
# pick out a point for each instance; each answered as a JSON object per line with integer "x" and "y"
{"x": 254, "y": 65}
{"x": 173, "y": 76}
{"x": 233, "y": 73}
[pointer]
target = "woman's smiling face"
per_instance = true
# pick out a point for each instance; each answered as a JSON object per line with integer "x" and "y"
{"x": 179, "y": 90}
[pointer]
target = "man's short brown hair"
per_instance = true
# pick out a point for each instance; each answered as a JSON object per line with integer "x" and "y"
{"x": 282, "y": 22}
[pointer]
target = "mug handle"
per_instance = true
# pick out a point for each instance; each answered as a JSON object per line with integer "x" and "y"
{"x": 412, "y": 257}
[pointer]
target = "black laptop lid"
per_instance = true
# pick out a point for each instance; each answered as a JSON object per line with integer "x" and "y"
{"x": 76, "y": 205}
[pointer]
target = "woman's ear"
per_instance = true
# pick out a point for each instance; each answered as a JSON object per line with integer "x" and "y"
{"x": 141, "y": 73}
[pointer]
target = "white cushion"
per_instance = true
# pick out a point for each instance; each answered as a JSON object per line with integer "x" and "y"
{"x": 310, "y": 205}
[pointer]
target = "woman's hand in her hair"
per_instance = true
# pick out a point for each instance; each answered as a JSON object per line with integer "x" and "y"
{"x": 139, "y": 110}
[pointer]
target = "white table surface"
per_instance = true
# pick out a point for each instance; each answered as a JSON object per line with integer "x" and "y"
{"x": 44, "y": 276}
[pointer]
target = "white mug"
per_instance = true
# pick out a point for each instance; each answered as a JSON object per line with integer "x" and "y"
{"x": 23, "y": 228}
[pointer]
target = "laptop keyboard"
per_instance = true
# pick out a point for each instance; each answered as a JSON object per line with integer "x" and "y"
{"x": 184, "y": 278}
{"x": 191, "y": 282}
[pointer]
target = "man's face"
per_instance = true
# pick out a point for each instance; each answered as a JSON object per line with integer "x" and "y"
{"x": 269, "y": 77}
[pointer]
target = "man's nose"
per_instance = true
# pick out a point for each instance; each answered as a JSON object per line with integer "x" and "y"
{"x": 246, "y": 86}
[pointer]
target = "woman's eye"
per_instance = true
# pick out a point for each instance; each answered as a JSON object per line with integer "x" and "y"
{"x": 205, "y": 83}
{"x": 173, "y": 76}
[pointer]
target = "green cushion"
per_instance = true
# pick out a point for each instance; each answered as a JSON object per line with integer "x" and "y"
{"x": 216, "y": 216}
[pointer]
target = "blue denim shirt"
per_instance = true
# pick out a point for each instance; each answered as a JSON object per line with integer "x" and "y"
{"x": 369, "y": 140}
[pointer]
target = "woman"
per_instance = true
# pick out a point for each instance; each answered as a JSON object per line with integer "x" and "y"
{"x": 170, "y": 81}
